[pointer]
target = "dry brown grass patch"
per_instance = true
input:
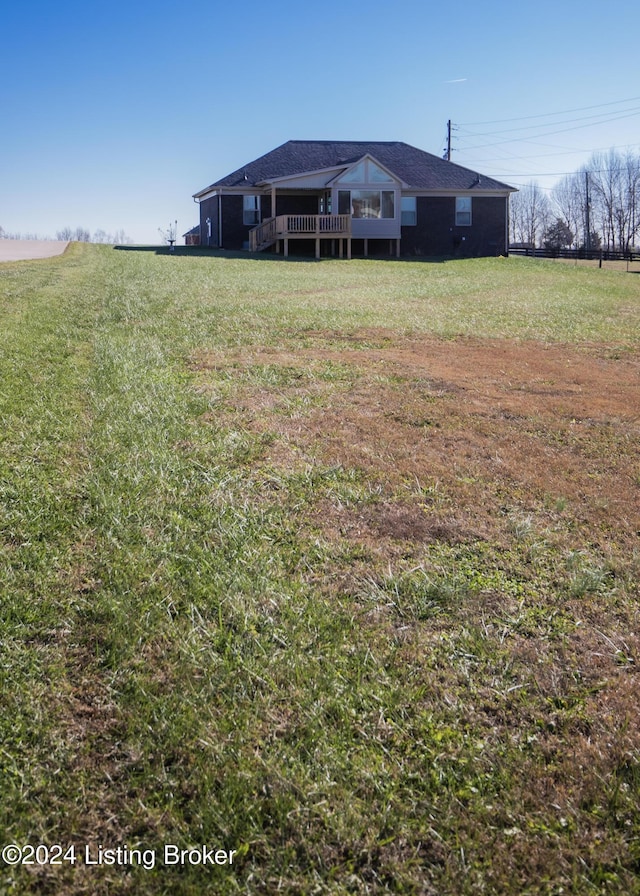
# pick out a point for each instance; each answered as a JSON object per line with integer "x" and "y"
{"x": 495, "y": 425}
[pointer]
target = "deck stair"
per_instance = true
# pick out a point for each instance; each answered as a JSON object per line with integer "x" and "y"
{"x": 286, "y": 227}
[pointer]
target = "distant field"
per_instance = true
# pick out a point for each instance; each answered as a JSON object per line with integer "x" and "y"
{"x": 330, "y": 564}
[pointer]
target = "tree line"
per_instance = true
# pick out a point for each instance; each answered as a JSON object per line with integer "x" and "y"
{"x": 82, "y": 235}
{"x": 596, "y": 207}
{"x": 78, "y": 234}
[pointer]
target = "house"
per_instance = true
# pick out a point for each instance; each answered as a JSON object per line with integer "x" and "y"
{"x": 192, "y": 237}
{"x": 369, "y": 198}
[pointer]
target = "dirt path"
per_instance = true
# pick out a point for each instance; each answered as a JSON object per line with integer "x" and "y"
{"x": 22, "y": 250}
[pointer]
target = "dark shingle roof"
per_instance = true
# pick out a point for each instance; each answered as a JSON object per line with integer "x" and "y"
{"x": 418, "y": 169}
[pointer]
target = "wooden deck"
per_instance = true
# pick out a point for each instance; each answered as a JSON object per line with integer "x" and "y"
{"x": 282, "y": 228}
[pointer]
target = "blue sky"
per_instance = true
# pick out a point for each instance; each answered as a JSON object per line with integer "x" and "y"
{"x": 113, "y": 114}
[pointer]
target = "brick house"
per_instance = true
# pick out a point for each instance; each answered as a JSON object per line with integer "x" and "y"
{"x": 192, "y": 237}
{"x": 376, "y": 198}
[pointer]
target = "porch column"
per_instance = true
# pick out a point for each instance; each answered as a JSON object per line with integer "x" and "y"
{"x": 273, "y": 200}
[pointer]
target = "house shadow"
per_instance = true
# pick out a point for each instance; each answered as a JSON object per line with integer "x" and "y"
{"x": 271, "y": 257}
{"x": 205, "y": 252}
{"x": 193, "y": 251}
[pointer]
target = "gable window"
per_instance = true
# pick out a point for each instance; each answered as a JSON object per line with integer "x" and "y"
{"x": 408, "y": 211}
{"x": 366, "y": 203}
{"x": 377, "y": 175}
{"x": 357, "y": 175}
{"x": 463, "y": 211}
{"x": 251, "y": 210}
{"x": 366, "y": 172}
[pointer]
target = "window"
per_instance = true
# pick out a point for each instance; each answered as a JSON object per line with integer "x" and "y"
{"x": 325, "y": 204}
{"x": 366, "y": 203}
{"x": 251, "y": 210}
{"x": 408, "y": 211}
{"x": 377, "y": 175}
{"x": 357, "y": 175}
{"x": 366, "y": 172}
{"x": 388, "y": 208}
{"x": 463, "y": 211}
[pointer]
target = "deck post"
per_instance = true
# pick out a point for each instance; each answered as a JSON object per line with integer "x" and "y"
{"x": 317, "y": 247}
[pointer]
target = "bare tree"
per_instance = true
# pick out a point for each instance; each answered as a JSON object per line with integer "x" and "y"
{"x": 569, "y": 200}
{"x": 530, "y": 214}
{"x": 615, "y": 184}
{"x": 82, "y": 235}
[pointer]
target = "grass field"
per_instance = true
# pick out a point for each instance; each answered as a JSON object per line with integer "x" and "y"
{"x": 331, "y": 564}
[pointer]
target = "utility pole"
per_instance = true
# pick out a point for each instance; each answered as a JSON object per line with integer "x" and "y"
{"x": 448, "y": 151}
{"x": 587, "y": 241}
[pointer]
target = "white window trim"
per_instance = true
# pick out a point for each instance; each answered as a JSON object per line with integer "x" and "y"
{"x": 252, "y": 210}
{"x": 462, "y": 210}
{"x": 413, "y": 212}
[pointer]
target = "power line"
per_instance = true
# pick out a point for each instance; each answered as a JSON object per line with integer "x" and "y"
{"x": 547, "y": 155}
{"x": 541, "y": 130}
{"x": 628, "y": 114}
{"x": 632, "y": 99}
{"x": 513, "y": 176}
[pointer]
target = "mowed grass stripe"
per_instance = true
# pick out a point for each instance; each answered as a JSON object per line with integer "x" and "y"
{"x": 48, "y": 313}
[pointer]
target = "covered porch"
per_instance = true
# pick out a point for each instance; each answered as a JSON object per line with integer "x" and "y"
{"x": 362, "y": 203}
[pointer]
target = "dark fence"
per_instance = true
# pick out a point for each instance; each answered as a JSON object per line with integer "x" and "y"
{"x": 599, "y": 255}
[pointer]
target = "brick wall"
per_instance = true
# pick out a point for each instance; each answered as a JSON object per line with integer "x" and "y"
{"x": 436, "y": 233}
{"x": 209, "y": 209}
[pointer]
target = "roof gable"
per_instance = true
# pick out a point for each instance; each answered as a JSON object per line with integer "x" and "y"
{"x": 417, "y": 169}
{"x": 366, "y": 170}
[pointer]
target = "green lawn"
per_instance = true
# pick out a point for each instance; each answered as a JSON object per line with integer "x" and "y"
{"x": 189, "y": 659}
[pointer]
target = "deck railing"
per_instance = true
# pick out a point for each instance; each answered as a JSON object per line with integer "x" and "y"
{"x": 316, "y": 224}
{"x": 263, "y": 234}
{"x": 284, "y": 226}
